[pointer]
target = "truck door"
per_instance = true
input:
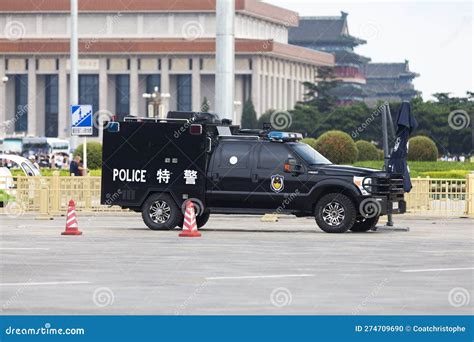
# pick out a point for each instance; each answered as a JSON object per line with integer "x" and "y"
{"x": 228, "y": 180}
{"x": 273, "y": 186}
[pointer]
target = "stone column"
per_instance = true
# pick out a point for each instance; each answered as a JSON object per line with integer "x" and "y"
{"x": 281, "y": 94}
{"x": 275, "y": 85}
{"x": 32, "y": 115}
{"x": 255, "y": 87}
{"x": 134, "y": 86}
{"x": 63, "y": 103}
{"x": 285, "y": 89}
{"x": 196, "y": 86}
{"x": 165, "y": 83}
{"x": 103, "y": 109}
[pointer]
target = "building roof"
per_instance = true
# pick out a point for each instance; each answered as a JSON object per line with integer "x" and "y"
{"x": 249, "y": 7}
{"x": 389, "y": 70}
{"x": 164, "y": 46}
{"x": 323, "y": 30}
{"x": 343, "y": 56}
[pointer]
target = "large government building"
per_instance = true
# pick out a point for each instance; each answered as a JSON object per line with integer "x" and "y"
{"x": 127, "y": 48}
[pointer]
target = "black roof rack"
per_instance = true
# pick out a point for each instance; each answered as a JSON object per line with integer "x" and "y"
{"x": 141, "y": 119}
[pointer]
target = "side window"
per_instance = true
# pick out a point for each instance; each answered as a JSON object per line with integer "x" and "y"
{"x": 272, "y": 156}
{"x": 28, "y": 170}
{"x": 235, "y": 155}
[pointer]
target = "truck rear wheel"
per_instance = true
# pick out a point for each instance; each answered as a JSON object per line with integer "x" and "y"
{"x": 364, "y": 224}
{"x": 160, "y": 212}
{"x": 202, "y": 219}
{"x": 335, "y": 213}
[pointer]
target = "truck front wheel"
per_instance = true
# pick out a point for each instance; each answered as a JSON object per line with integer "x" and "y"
{"x": 160, "y": 212}
{"x": 335, "y": 213}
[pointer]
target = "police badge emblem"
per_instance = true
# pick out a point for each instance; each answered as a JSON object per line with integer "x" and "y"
{"x": 277, "y": 183}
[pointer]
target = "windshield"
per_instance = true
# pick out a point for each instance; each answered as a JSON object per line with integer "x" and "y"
{"x": 309, "y": 154}
{"x": 12, "y": 145}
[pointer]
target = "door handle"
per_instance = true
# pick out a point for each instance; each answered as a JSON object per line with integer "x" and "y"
{"x": 255, "y": 178}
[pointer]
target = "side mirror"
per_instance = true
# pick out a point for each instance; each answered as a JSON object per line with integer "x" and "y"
{"x": 292, "y": 166}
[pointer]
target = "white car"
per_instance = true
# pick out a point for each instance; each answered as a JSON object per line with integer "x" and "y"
{"x": 13, "y": 161}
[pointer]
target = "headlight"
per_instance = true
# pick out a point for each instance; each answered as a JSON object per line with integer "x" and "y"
{"x": 360, "y": 182}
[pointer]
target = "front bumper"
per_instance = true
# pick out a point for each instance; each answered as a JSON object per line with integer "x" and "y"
{"x": 389, "y": 193}
{"x": 385, "y": 205}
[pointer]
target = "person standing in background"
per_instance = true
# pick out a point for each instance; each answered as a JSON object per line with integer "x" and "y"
{"x": 76, "y": 168}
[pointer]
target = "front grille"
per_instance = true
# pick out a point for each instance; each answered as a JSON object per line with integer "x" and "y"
{"x": 386, "y": 186}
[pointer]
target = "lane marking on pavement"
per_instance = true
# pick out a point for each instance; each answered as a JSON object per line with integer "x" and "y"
{"x": 46, "y": 283}
{"x": 23, "y": 248}
{"x": 262, "y": 276}
{"x": 438, "y": 269}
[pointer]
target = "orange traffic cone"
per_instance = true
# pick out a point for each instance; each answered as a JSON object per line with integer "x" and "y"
{"x": 189, "y": 224}
{"x": 72, "y": 227}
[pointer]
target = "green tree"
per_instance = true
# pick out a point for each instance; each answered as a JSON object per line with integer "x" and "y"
{"x": 94, "y": 154}
{"x": 249, "y": 115}
{"x": 318, "y": 94}
{"x": 205, "y": 105}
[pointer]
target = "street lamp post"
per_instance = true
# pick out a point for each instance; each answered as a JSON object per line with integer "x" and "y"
{"x": 155, "y": 104}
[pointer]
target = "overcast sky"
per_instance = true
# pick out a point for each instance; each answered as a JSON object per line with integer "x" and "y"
{"x": 436, "y": 37}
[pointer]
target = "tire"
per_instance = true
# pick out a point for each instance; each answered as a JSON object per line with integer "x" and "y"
{"x": 335, "y": 213}
{"x": 364, "y": 224}
{"x": 170, "y": 213}
{"x": 202, "y": 219}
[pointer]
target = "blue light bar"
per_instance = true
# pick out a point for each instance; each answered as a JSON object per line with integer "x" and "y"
{"x": 113, "y": 127}
{"x": 284, "y": 136}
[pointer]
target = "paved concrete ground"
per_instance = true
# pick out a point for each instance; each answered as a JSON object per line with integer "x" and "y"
{"x": 239, "y": 266}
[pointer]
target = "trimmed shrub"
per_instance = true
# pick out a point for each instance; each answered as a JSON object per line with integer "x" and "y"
{"x": 367, "y": 151}
{"x": 338, "y": 147}
{"x": 310, "y": 141}
{"x": 94, "y": 154}
{"x": 421, "y": 148}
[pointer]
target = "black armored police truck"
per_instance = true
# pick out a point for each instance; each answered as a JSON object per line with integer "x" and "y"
{"x": 154, "y": 166}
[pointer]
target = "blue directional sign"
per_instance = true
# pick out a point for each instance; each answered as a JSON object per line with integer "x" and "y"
{"x": 81, "y": 119}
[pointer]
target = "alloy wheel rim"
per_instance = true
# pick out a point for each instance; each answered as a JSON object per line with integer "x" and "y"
{"x": 333, "y": 213}
{"x": 160, "y": 211}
